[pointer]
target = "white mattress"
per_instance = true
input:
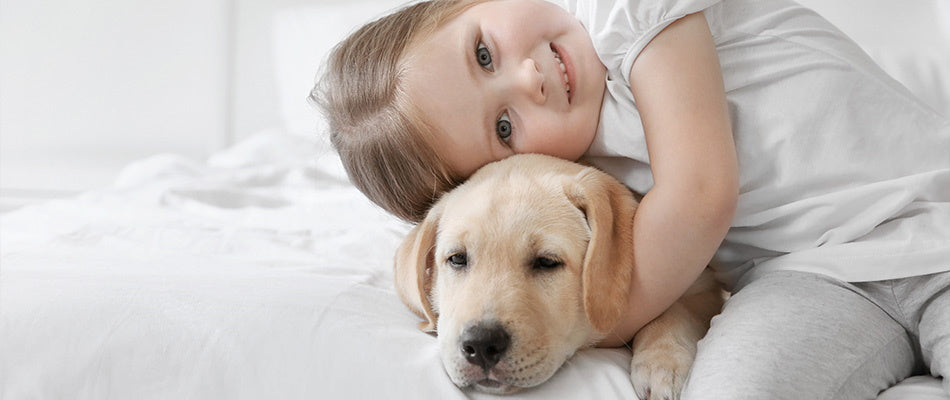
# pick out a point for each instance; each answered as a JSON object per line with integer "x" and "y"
{"x": 257, "y": 274}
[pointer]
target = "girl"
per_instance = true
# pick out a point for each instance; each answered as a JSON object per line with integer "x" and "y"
{"x": 764, "y": 142}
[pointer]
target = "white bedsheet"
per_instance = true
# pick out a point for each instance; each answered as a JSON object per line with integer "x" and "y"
{"x": 257, "y": 274}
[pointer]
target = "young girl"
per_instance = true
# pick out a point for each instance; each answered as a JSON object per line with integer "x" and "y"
{"x": 765, "y": 143}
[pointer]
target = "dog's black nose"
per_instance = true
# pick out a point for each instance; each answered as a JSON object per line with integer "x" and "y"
{"x": 484, "y": 344}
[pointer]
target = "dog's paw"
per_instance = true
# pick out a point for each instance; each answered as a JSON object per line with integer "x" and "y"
{"x": 660, "y": 375}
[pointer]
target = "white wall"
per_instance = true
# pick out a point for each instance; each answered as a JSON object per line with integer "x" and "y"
{"x": 87, "y": 86}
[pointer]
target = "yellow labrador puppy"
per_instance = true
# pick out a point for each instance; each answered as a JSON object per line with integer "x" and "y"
{"x": 529, "y": 261}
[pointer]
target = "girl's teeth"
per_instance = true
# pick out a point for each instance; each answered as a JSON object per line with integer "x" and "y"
{"x": 563, "y": 70}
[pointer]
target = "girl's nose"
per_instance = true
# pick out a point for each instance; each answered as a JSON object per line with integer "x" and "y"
{"x": 529, "y": 80}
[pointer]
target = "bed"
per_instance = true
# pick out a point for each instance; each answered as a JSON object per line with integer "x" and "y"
{"x": 261, "y": 272}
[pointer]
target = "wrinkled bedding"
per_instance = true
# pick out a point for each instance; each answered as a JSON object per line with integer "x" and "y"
{"x": 259, "y": 273}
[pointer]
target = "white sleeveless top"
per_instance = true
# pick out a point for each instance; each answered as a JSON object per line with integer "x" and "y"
{"x": 842, "y": 171}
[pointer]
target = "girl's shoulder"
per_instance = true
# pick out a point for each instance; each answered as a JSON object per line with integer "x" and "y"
{"x": 620, "y": 30}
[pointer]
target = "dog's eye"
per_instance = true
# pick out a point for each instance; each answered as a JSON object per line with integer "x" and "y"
{"x": 546, "y": 263}
{"x": 458, "y": 260}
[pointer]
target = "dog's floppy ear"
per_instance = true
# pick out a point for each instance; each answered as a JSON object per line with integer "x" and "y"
{"x": 608, "y": 265}
{"x": 415, "y": 271}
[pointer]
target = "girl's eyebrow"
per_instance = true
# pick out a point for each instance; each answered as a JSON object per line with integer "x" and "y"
{"x": 470, "y": 43}
{"x": 472, "y": 36}
{"x": 471, "y": 39}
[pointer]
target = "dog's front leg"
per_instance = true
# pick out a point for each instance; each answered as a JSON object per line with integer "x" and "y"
{"x": 664, "y": 349}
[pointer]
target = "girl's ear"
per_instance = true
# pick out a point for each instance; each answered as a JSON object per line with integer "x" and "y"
{"x": 415, "y": 271}
{"x": 608, "y": 265}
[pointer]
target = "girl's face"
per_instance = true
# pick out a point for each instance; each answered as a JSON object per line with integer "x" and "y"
{"x": 507, "y": 77}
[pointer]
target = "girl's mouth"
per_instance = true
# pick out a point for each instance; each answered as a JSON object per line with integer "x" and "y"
{"x": 567, "y": 69}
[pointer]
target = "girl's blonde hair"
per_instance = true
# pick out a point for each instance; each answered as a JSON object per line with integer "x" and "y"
{"x": 385, "y": 146}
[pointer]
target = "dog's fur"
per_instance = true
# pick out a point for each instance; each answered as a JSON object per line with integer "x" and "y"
{"x": 539, "y": 250}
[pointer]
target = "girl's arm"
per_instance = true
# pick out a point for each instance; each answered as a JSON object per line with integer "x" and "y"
{"x": 678, "y": 88}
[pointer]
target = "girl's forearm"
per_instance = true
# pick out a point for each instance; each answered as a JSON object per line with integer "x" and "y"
{"x": 678, "y": 87}
{"x": 676, "y": 233}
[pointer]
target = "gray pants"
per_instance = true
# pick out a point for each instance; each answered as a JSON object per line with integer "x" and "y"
{"x": 796, "y": 335}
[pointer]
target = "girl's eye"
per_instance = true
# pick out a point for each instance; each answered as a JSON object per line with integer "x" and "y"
{"x": 483, "y": 56}
{"x": 503, "y": 128}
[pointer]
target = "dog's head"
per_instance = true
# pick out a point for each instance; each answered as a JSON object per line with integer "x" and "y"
{"x": 519, "y": 267}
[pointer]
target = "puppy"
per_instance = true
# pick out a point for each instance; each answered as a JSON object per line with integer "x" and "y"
{"x": 529, "y": 261}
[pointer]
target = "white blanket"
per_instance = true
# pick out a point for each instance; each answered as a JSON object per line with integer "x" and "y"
{"x": 257, "y": 274}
